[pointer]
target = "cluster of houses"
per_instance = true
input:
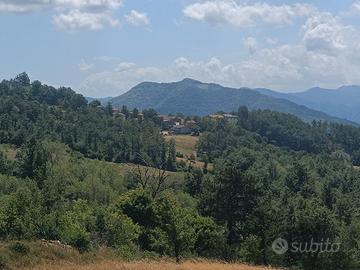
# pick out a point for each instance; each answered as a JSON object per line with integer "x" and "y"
{"x": 185, "y": 126}
{"x": 118, "y": 113}
{"x": 178, "y": 125}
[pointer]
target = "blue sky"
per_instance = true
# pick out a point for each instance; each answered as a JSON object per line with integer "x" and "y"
{"x": 104, "y": 47}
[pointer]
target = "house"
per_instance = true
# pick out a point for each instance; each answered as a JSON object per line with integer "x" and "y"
{"x": 216, "y": 116}
{"x": 169, "y": 121}
{"x": 226, "y": 116}
{"x": 118, "y": 113}
{"x": 191, "y": 124}
{"x": 230, "y": 116}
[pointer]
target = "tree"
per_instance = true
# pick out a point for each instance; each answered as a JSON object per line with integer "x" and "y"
{"x": 177, "y": 224}
{"x": 171, "y": 158}
{"x": 194, "y": 181}
{"x": 231, "y": 196}
{"x": 32, "y": 160}
{"x": 210, "y": 239}
{"x": 5, "y": 164}
{"x": 95, "y": 103}
{"x": 109, "y": 109}
{"x": 125, "y": 111}
{"x": 120, "y": 230}
{"x": 135, "y": 113}
{"x": 75, "y": 224}
{"x": 22, "y": 79}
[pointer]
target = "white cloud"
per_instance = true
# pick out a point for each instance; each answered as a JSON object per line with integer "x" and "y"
{"x": 219, "y": 12}
{"x": 137, "y": 18}
{"x": 18, "y": 6}
{"x": 74, "y": 14}
{"x": 325, "y": 32}
{"x": 22, "y": 6}
{"x": 356, "y": 7}
{"x": 326, "y": 55}
{"x": 125, "y": 66}
{"x": 94, "y": 5}
{"x": 76, "y": 20}
{"x": 85, "y": 67}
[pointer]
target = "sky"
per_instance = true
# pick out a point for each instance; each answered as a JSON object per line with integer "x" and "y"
{"x": 102, "y": 48}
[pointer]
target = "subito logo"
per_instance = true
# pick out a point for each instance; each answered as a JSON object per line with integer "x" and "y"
{"x": 280, "y": 246}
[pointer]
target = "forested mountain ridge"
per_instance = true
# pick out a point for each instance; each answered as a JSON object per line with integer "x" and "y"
{"x": 192, "y": 97}
{"x": 343, "y": 102}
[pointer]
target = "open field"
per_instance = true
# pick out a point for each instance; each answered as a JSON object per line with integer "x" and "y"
{"x": 46, "y": 255}
{"x": 185, "y": 144}
{"x": 113, "y": 265}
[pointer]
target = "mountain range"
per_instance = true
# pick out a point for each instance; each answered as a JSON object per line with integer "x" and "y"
{"x": 343, "y": 102}
{"x": 192, "y": 97}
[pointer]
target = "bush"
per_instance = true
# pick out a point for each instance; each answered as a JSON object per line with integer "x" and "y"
{"x": 81, "y": 241}
{"x": 250, "y": 250}
{"x": 3, "y": 262}
{"x": 129, "y": 253}
{"x": 121, "y": 231}
{"x": 19, "y": 248}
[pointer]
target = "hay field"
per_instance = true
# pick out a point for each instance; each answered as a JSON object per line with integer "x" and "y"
{"x": 113, "y": 265}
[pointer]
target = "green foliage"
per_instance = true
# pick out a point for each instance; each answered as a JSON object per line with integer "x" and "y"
{"x": 33, "y": 162}
{"x": 210, "y": 239}
{"x": 20, "y": 213}
{"x": 271, "y": 176}
{"x": 120, "y": 230}
{"x": 171, "y": 157}
{"x": 176, "y": 222}
{"x": 75, "y": 224}
{"x": 19, "y": 248}
{"x": 3, "y": 262}
{"x": 139, "y": 206}
{"x": 41, "y": 112}
{"x": 251, "y": 250}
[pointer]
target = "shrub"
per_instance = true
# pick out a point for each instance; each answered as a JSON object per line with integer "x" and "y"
{"x": 3, "y": 262}
{"x": 19, "y": 248}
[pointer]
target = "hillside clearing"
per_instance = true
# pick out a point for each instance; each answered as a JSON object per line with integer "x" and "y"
{"x": 185, "y": 144}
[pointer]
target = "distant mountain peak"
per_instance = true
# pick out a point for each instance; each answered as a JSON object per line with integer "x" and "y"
{"x": 190, "y": 81}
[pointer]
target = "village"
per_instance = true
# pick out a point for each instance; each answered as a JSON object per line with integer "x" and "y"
{"x": 175, "y": 124}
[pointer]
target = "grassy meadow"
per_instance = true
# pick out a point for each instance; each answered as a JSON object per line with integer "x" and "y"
{"x": 186, "y": 145}
{"x": 143, "y": 265}
{"x": 44, "y": 255}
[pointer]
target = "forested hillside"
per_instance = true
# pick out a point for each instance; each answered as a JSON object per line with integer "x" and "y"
{"x": 274, "y": 176}
{"x": 36, "y": 112}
